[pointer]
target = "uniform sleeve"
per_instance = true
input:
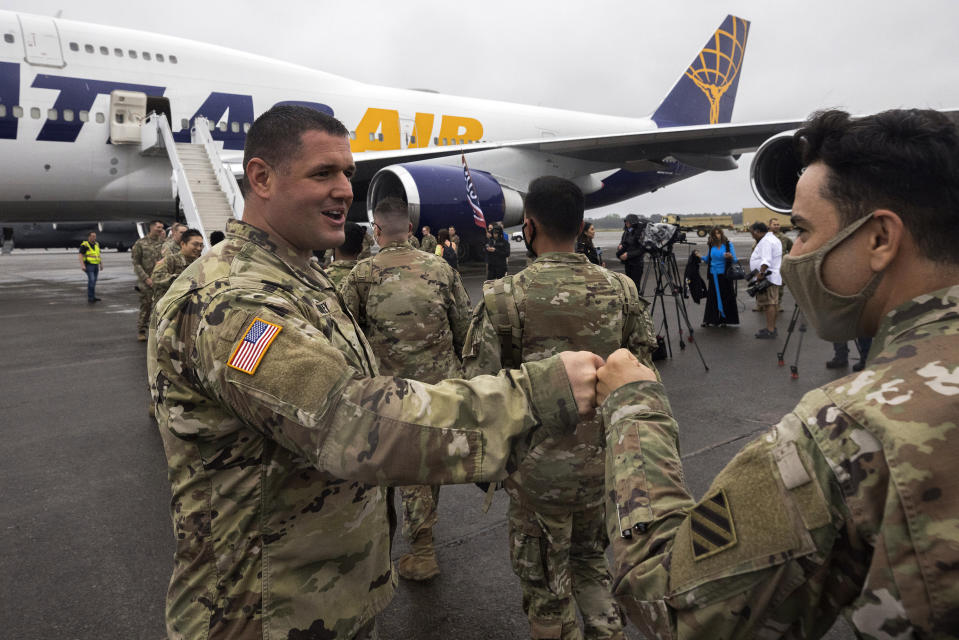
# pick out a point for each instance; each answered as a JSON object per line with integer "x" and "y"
{"x": 640, "y": 339}
{"x": 767, "y": 551}
{"x": 351, "y": 295}
{"x": 162, "y": 274}
{"x": 481, "y": 353}
{"x": 304, "y": 395}
{"x": 458, "y": 313}
{"x": 136, "y": 254}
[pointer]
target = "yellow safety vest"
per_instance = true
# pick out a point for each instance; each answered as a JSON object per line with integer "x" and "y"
{"x": 91, "y": 255}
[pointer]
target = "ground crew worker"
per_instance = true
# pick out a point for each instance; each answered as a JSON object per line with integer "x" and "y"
{"x": 172, "y": 245}
{"x": 556, "y": 512}
{"x": 427, "y": 241}
{"x": 172, "y": 265}
{"x": 276, "y": 429}
{"x": 848, "y": 504}
{"x": 414, "y": 311}
{"x": 145, "y": 255}
{"x": 345, "y": 255}
{"x": 91, "y": 264}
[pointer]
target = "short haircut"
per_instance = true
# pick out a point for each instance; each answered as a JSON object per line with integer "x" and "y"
{"x": 903, "y": 160}
{"x": 189, "y": 233}
{"x": 353, "y": 244}
{"x": 91, "y": 233}
{"x": 153, "y": 222}
{"x": 772, "y": 220}
{"x": 276, "y": 136}
{"x": 393, "y": 216}
{"x": 216, "y": 236}
{"x": 759, "y": 226}
{"x": 557, "y": 206}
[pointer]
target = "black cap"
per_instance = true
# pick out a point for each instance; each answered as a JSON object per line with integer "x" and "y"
{"x": 632, "y": 218}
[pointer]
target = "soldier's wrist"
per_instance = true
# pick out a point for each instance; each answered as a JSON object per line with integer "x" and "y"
{"x": 551, "y": 395}
{"x": 640, "y": 399}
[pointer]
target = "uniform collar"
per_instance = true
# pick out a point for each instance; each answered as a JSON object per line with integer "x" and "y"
{"x": 247, "y": 233}
{"x": 562, "y": 256}
{"x": 395, "y": 245}
{"x": 343, "y": 263}
{"x": 928, "y": 308}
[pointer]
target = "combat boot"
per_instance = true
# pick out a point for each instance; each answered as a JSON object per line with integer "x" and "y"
{"x": 420, "y": 563}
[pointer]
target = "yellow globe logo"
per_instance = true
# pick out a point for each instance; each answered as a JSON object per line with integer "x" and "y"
{"x": 717, "y": 65}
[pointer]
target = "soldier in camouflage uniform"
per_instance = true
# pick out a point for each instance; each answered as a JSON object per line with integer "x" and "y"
{"x": 785, "y": 240}
{"x": 172, "y": 245}
{"x": 557, "y": 511}
{"x": 848, "y": 505}
{"x": 415, "y": 313}
{"x": 345, "y": 255}
{"x": 172, "y": 265}
{"x": 427, "y": 241}
{"x": 277, "y": 433}
{"x": 367, "y": 250}
{"x": 145, "y": 255}
{"x": 412, "y": 241}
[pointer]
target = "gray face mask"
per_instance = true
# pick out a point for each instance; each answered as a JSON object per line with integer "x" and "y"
{"x": 834, "y": 317}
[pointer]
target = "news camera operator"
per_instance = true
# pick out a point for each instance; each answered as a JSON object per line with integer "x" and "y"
{"x": 631, "y": 250}
{"x": 841, "y": 507}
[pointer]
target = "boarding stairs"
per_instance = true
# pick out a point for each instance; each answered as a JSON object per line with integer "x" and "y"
{"x": 205, "y": 186}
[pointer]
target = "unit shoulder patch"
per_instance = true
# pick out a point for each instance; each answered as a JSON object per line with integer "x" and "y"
{"x": 251, "y": 349}
{"x": 711, "y": 525}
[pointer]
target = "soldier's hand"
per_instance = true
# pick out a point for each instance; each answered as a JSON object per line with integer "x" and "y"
{"x": 581, "y": 370}
{"x": 149, "y": 282}
{"x": 621, "y": 367}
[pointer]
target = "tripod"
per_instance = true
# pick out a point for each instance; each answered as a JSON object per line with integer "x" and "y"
{"x": 794, "y": 367}
{"x": 668, "y": 283}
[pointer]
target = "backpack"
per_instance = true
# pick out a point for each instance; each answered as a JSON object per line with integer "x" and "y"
{"x": 449, "y": 254}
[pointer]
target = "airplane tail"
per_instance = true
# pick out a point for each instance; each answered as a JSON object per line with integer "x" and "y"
{"x": 706, "y": 91}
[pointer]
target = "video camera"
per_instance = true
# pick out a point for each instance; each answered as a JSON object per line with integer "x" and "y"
{"x": 659, "y": 237}
{"x": 755, "y": 286}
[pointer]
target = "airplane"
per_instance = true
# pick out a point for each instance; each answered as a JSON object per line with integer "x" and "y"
{"x": 59, "y": 80}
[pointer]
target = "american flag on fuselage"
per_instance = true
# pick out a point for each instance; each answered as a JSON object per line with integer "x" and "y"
{"x": 472, "y": 198}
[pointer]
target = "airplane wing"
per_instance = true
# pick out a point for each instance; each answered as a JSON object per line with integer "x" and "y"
{"x": 623, "y": 150}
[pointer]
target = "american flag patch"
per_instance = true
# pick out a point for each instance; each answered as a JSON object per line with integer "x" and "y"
{"x": 247, "y": 355}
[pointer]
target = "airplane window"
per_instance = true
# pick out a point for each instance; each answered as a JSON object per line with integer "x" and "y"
{"x": 8, "y": 37}
{"x": 118, "y": 117}
{"x": 184, "y": 124}
{"x": 100, "y": 118}
{"x": 412, "y": 140}
{"x": 3, "y": 111}
{"x": 436, "y": 141}
{"x": 133, "y": 54}
{"x": 173, "y": 60}
{"x": 88, "y": 48}
{"x": 221, "y": 126}
{"x": 35, "y": 113}
{"x": 246, "y": 127}
{"x": 84, "y": 116}
{"x": 146, "y": 55}
{"x": 105, "y": 51}
{"x": 235, "y": 127}
{"x": 68, "y": 115}
{"x": 380, "y": 137}
{"x": 51, "y": 114}
{"x": 352, "y": 135}
{"x": 74, "y": 46}
{"x": 372, "y": 136}
{"x": 461, "y": 141}
{"x": 445, "y": 141}
{"x": 18, "y": 112}
{"x": 159, "y": 57}
{"x": 118, "y": 52}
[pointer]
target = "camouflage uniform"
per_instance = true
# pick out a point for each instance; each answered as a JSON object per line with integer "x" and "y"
{"x": 413, "y": 242}
{"x": 428, "y": 243}
{"x": 367, "y": 248}
{"x": 557, "y": 541}
{"x": 281, "y": 528}
{"x": 170, "y": 247}
{"x": 848, "y": 505}
{"x": 786, "y": 242}
{"x": 415, "y": 312}
{"x": 337, "y": 271}
{"x": 166, "y": 272}
{"x": 145, "y": 254}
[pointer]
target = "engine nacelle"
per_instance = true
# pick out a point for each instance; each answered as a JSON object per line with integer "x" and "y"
{"x": 436, "y": 195}
{"x": 775, "y": 171}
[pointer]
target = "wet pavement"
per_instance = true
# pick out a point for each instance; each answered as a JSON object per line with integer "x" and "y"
{"x": 87, "y": 540}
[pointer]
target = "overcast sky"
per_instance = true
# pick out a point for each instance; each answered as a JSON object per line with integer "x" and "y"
{"x": 615, "y": 57}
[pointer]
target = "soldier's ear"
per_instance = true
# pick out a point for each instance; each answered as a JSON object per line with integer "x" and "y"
{"x": 259, "y": 178}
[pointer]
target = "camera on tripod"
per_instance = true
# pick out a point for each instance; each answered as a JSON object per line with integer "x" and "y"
{"x": 755, "y": 286}
{"x": 659, "y": 237}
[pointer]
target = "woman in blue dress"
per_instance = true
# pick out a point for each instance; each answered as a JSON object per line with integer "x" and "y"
{"x": 721, "y": 306}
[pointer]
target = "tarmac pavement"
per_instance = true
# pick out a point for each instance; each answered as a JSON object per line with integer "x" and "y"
{"x": 84, "y": 511}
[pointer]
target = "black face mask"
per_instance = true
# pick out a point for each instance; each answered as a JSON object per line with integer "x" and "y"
{"x": 532, "y": 236}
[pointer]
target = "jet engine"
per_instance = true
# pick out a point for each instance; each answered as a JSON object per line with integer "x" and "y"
{"x": 775, "y": 171}
{"x": 436, "y": 195}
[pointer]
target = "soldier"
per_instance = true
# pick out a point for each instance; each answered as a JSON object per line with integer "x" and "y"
{"x": 145, "y": 255}
{"x": 786, "y": 241}
{"x": 849, "y": 503}
{"x": 346, "y": 255}
{"x": 276, "y": 429}
{"x": 367, "y": 249}
{"x": 167, "y": 270}
{"x": 556, "y": 511}
{"x": 414, "y": 311}
{"x": 172, "y": 245}
{"x": 411, "y": 239}
{"x": 427, "y": 242}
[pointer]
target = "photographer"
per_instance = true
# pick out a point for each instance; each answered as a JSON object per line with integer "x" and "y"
{"x": 766, "y": 258}
{"x": 631, "y": 250}
{"x": 846, "y": 505}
